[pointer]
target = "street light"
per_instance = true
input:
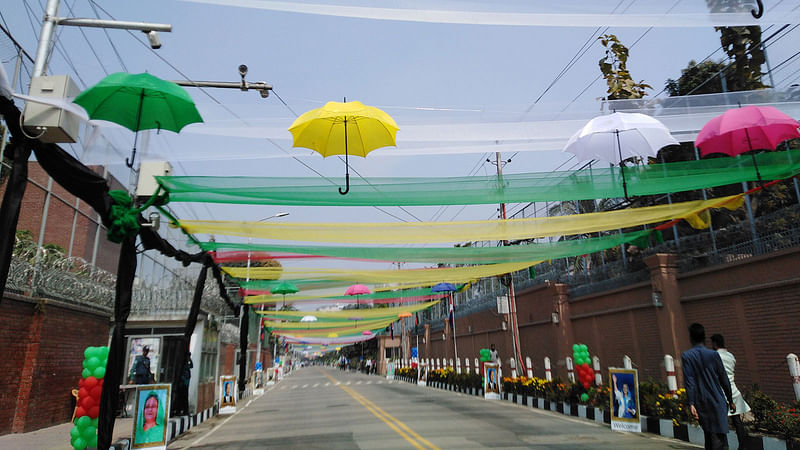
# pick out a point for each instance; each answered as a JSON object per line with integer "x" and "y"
{"x": 249, "y": 251}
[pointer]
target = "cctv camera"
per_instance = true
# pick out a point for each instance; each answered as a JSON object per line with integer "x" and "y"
{"x": 242, "y": 70}
{"x": 155, "y": 41}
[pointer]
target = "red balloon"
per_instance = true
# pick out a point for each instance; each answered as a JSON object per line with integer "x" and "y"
{"x": 97, "y": 391}
{"x": 586, "y": 385}
{"x": 94, "y": 412}
{"x": 90, "y": 382}
{"x": 80, "y": 412}
{"x": 83, "y": 393}
{"x": 87, "y": 402}
{"x": 81, "y": 382}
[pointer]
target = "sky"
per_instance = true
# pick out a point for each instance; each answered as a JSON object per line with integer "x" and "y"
{"x": 419, "y": 72}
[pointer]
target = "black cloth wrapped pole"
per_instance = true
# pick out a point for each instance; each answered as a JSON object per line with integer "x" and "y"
{"x": 244, "y": 329}
{"x": 9, "y": 211}
{"x": 181, "y": 403}
{"x": 109, "y": 400}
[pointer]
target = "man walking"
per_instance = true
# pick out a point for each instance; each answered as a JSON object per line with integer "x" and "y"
{"x": 729, "y": 362}
{"x": 707, "y": 388}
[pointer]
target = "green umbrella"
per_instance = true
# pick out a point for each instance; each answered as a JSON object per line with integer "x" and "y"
{"x": 139, "y": 102}
{"x": 283, "y": 288}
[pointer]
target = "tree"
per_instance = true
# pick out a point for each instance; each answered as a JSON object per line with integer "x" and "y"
{"x": 614, "y": 66}
{"x": 703, "y": 78}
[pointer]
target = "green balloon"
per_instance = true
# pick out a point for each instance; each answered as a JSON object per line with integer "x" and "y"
{"x": 584, "y": 397}
{"x": 88, "y": 432}
{"x": 83, "y": 422}
{"x": 95, "y": 421}
{"x": 74, "y": 432}
{"x": 88, "y": 352}
{"x": 576, "y": 348}
{"x": 79, "y": 444}
{"x": 92, "y": 363}
{"x": 93, "y": 441}
{"x": 99, "y": 372}
{"x": 86, "y": 373}
{"x": 104, "y": 352}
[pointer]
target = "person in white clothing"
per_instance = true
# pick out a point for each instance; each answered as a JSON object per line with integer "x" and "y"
{"x": 729, "y": 362}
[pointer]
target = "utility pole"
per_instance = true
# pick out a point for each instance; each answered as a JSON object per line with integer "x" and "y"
{"x": 512, "y": 303}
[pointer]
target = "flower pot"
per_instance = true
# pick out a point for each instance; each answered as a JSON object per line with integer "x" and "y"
{"x": 665, "y": 427}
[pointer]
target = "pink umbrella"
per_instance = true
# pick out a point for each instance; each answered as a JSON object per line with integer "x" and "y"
{"x": 743, "y": 130}
{"x": 357, "y": 289}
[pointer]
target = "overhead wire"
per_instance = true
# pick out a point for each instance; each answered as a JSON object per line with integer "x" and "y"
{"x": 85, "y": 38}
{"x": 108, "y": 37}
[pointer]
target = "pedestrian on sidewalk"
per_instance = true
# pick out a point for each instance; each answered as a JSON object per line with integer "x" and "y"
{"x": 707, "y": 388}
{"x": 729, "y": 362}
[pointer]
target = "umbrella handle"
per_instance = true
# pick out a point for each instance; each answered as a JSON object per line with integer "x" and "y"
{"x": 760, "y": 12}
{"x": 133, "y": 157}
{"x": 347, "y": 185}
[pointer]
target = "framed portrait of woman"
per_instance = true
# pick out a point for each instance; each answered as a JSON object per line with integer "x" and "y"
{"x": 152, "y": 416}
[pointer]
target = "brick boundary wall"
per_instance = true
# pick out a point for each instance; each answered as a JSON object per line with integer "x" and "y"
{"x": 43, "y": 342}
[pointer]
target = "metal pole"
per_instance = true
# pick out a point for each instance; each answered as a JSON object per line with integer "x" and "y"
{"x": 17, "y": 68}
{"x": 710, "y": 222}
{"x": 37, "y": 265}
{"x": 45, "y": 37}
{"x": 455, "y": 344}
{"x": 512, "y": 303}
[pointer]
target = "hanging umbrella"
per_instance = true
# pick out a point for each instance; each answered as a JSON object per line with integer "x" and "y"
{"x": 357, "y": 289}
{"x": 444, "y": 287}
{"x": 283, "y": 288}
{"x": 139, "y": 102}
{"x": 349, "y": 128}
{"x": 308, "y": 319}
{"x": 617, "y": 137}
{"x": 742, "y": 130}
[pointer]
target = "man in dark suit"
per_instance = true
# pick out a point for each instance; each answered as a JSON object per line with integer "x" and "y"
{"x": 707, "y": 388}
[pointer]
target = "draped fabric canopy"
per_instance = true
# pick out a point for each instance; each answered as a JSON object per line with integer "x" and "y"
{"x": 431, "y": 232}
{"x": 348, "y": 314}
{"x": 591, "y": 183}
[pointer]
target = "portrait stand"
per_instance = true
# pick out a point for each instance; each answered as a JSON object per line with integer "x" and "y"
{"x": 422, "y": 374}
{"x": 624, "y": 400}
{"x": 491, "y": 381}
{"x": 151, "y": 416}
{"x": 228, "y": 394}
{"x": 258, "y": 382}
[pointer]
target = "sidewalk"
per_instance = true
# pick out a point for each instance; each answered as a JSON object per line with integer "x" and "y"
{"x": 56, "y": 437}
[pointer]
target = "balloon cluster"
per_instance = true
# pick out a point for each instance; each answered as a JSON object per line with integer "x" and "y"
{"x": 486, "y": 355}
{"x": 90, "y": 388}
{"x": 580, "y": 354}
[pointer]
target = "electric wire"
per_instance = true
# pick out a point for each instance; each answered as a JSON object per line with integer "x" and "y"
{"x": 108, "y": 37}
{"x": 91, "y": 47}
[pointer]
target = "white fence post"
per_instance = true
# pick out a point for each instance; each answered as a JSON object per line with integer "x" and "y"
{"x": 528, "y": 367}
{"x": 477, "y": 367}
{"x": 548, "y": 374}
{"x": 794, "y": 371}
{"x": 672, "y": 381}
{"x": 466, "y": 365}
{"x": 513, "y": 364}
{"x": 570, "y": 370}
{"x": 598, "y": 376}
{"x": 458, "y": 366}
{"x": 626, "y": 362}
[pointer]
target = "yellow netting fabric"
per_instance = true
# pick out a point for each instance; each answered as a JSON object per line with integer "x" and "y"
{"x": 429, "y": 232}
{"x": 348, "y": 314}
{"x": 437, "y": 275}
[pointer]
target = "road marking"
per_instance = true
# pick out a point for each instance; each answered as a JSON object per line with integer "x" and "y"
{"x": 348, "y": 383}
{"x": 328, "y": 383}
{"x": 380, "y": 382}
{"x": 395, "y": 424}
{"x": 305, "y": 386}
{"x": 200, "y": 439}
{"x": 358, "y": 382}
{"x": 369, "y": 382}
{"x": 294, "y": 387}
{"x": 315, "y": 385}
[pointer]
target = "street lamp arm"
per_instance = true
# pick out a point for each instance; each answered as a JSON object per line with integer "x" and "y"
{"x": 116, "y": 24}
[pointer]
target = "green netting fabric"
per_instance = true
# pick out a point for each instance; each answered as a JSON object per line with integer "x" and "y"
{"x": 404, "y": 293}
{"x": 449, "y": 255}
{"x": 589, "y": 183}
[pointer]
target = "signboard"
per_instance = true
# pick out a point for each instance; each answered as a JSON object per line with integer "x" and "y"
{"x": 258, "y": 382}
{"x": 422, "y": 374}
{"x": 491, "y": 381}
{"x": 502, "y": 304}
{"x": 227, "y": 394}
{"x": 152, "y": 416}
{"x": 390, "y": 371}
{"x": 624, "y": 400}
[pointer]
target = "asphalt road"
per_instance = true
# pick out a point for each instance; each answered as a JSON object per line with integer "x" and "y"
{"x": 324, "y": 408}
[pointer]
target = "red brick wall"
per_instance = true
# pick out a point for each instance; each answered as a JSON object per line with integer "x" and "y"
{"x": 206, "y": 396}
{"x": 53, "y": 364}
{"x": 754, "y": 304}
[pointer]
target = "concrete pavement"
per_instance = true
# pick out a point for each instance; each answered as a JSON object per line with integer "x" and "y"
{"x": 320, "y": 407}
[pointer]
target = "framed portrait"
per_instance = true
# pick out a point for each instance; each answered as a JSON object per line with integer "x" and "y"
{"x": 136, "y": 345}
{"x": 624, "y": 400}
{"x": 152, "y": 416}
{"x": 491, "y": 381}
{"x": 423, "y": 374}
{"x": 227, "y": 394}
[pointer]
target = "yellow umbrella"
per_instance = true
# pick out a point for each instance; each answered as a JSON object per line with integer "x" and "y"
{"x": 349, "y": 128}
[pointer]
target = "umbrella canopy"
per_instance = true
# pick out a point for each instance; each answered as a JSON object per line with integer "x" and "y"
{"x": 284, "y": 287}
{"x": 404, "y": 315}
{"x": 308, "y": 319}
{"x": 357, "y": 289}
{"x": 139, "y": 102}
{"x": 742, "y": 130}
{"x": 619, "y": 136}
{"x": 444, "y": 287}
{"x": 349, "y": 128}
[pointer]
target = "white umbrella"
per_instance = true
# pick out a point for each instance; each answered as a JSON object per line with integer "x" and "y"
{"x": 308, "y": 319}
{"x": 619, "y": 136}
